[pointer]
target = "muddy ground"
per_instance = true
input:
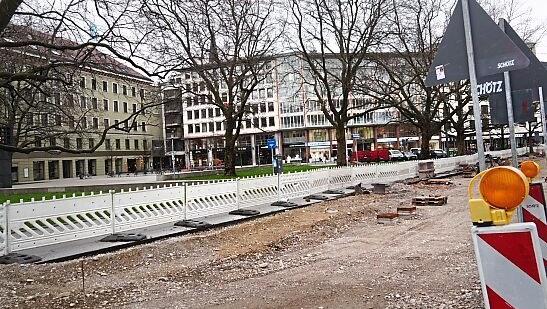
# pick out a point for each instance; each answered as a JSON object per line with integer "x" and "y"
{"x": 329, "y": 255}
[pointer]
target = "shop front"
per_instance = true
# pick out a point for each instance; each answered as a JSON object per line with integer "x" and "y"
{"x": 294, "y": 146}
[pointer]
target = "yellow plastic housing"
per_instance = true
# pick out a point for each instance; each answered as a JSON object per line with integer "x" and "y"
{"x": 502, "y": 189}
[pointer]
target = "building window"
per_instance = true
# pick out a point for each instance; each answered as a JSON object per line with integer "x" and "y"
{"x": 211, "y": 126}
{"x": 107, "y": 144}
{"x": 106, "y": 123}
{"x": 105, "y": 104}
{"x": 124, "y": 90}
{"x": 203, "y": 113}
{"x": 143, "y": 126}
{"x": 53, "y": 141}
{"x": 203, "y": 127}
{"x": 133, "y": 92}
{"x": 91, "y": 143}
{"x": 116, "y": 123}
{"x": 114, "y": 87}
{"x": 93, "y": 84}
{"x": 134, "y": 108}
{"x": 82, "y": 82}
{"x": 270, "y": 92}
{"x": 142, "y": 94}
{"x": 189, "y": 115}
{"x": 116, "y": 106}
{"x": 125, "y": 107}
{"x": 198, "y": 128}
{"x": 134, "y": 126}
{"x": 95, "y": 123}
{"x": 118, "y": 144}
{"x": 127, "y": 145}
{"x": 217, "y": 111}
{"x": 263, "y": 107}
{"x": 247, "y": 123}
{"x": 189, "y": 101}
{"x": 190, "y": 128}
{"x": 82, "y": 102}
{"x": 270, "y": 106}
{"x": 272, "y": 121}
{"x": 196, "y": 114}
{"x": 219, "y": 126}
{"x": 211, "y": 113}
{"x": 136, "y": 143}
{"x": 105, "y": 86}
{"x": 262, "y": 93}
{"x": 145, "y": 144}
{"x": 78, "y": 143}
{"x": 83, "y": 122}
{"x": 66, "y": 142}
{"x": 58, "y": 120}
{"x": 94, "y": 103}
{"x": 263, "y": 122}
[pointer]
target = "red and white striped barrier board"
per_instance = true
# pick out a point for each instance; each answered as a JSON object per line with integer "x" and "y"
{"x": 534, "y": 211}
{"x": 510, "y": 266}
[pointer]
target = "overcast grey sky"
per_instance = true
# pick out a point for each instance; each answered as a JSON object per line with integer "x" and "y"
{"x": 540, "y": 14}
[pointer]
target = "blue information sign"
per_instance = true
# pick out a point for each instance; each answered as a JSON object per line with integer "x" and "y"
{"x": 271, "y": 143}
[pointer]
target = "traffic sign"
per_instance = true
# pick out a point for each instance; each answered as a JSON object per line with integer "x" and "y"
{"x": 494, "y": 51}
{"x": 271, "y": 143}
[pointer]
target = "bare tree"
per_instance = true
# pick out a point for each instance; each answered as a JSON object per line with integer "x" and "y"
{"x": 334, "y": 38}
{"x": 228, "y": 44}
{"x": 45, "y": 47}
{"x": 398, "y": 78}
{"x": 459, "y": 122}
{"x": 517, "y": 13}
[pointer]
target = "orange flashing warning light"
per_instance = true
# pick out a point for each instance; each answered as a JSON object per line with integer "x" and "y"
{"x": 530, "y": 169}
{"x": 502, "y": 189}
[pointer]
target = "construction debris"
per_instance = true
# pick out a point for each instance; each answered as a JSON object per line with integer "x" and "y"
{"x": 406, "y": 211}
{"x": 438, "y": 182}
{"x": 387, "y": 218}
{"x": 430, "y": 200}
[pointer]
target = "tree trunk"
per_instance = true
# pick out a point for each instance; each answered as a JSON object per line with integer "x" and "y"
{"x": 341, "y": 159}
{"x": 424, "y": 146}
{"x": 230, "y": 157}
{"x": 460, "y": 143}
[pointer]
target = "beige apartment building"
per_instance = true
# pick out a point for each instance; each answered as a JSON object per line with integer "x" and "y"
{"x": 111, "y": 93}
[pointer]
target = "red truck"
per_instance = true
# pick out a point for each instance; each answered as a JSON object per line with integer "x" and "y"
{"x": 370, "y": 155}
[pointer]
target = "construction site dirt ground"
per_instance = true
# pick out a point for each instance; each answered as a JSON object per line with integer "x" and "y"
{"x": 329, "y": 255}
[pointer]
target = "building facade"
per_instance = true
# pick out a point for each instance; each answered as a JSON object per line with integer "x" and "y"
{"x": 109, "y": 97}
{"x": 283, "y": 107}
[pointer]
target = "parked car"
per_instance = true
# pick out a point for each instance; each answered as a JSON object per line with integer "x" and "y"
{"x": 396, "y": 155}
{"x": 438, "y": 153}
{"x": 409, "y": 155}
{"x": 370, "y": 155}
{"x": 415, "y": 151}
